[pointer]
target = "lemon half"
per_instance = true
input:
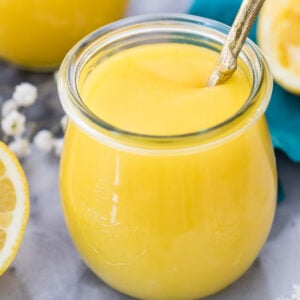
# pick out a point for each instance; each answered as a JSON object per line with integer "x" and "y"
{"x": 278, "y": 34}
{"x": 14, "y": 206}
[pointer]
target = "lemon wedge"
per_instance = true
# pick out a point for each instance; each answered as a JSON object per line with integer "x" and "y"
{"x": 278, "y": 34}
{"x": 14, "y": 206}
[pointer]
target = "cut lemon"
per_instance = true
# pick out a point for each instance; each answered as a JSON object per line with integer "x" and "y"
{"x": 14, "y": 206}
{"x": 278, "y": 34}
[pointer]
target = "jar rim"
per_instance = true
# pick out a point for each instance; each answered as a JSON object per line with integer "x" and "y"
{"x": 82, "y": 116}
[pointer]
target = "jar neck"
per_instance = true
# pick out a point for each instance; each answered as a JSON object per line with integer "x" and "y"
{"x": 154, "y": 29}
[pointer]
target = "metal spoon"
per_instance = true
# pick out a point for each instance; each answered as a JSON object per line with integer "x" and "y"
{"x": 227, "y": 60}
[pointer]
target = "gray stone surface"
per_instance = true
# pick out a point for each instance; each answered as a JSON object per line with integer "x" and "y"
{"x": 48, "y": 267}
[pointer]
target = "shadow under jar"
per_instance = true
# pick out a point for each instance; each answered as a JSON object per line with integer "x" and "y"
{"x": 166, "y": 216}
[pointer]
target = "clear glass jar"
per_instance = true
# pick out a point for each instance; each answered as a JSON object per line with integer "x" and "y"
{"x": 38, "y": 34}
{"x": 166, "y": 217}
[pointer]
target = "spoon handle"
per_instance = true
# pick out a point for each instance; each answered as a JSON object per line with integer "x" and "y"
{"x": 227, "y": 60}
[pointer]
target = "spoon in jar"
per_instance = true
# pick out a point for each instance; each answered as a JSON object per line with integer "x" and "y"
{"x": 227, "y": 60}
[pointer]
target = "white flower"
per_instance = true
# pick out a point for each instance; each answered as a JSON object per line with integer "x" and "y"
{"x": 25, "y": 94}
{"x": 13, "y": 124}
{"x": 55, "y": 75}
{"x": 20, "y": 147}
{"x": 44, "y": 140}
{"x": 63, "y": 122}
{"x": 294, "y": 295}
{"x": 8, "y": 106}
{"x": 58, "y": 146}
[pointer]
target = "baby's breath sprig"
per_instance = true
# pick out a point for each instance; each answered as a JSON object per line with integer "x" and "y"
{"x": 18, "y": 134}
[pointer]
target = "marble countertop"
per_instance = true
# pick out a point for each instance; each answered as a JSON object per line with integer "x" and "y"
{"x": 48, "y": 267}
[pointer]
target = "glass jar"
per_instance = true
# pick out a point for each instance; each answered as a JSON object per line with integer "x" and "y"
{"x": 38, "y": 34}
{"x": 166, "y": 217}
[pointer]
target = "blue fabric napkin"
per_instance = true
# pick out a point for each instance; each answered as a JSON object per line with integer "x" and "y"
{"x": 283, "y": 114}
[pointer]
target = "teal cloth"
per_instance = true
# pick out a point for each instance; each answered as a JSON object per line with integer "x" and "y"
{"x": 283, "y": 113}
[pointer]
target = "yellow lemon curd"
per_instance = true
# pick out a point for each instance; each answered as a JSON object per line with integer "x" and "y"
{"x": 167, "y": 225}
{"x": 279, "y": 38}
{"x": 38, "y": 34}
